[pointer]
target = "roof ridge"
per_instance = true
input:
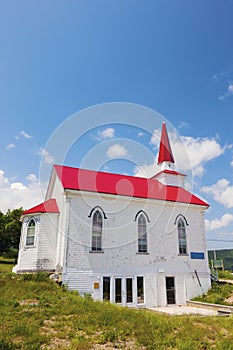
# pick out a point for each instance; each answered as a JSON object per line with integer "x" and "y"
{"x": 103, "y": 182}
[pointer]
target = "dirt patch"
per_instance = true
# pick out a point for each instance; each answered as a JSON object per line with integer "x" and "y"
{"x": 59, "y": 339}
{"x": 57, "y": 343}
{"x": 203, "y": 326}
{"x": 29, "y": 302}
{"x": 127, "y": 345}
{"x": 229, "y": 300}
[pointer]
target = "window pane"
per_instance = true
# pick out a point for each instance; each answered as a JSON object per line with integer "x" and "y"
{"x": 129, "y": 290}
{"x": 142, "y": 234}
{"x": 96, "y": 243}
{"x": 118, "y": 290}
{"x": 182, "y": 237}
{"x": 30, "y": 239}
{"x": 97, "y": 231}
{"x": 140, "y": 290}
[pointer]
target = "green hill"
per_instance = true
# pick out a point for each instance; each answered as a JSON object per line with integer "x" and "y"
{"x": 38, "y": 314}
{"x": 224, "y": 254}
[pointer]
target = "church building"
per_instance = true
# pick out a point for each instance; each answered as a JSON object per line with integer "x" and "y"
{"x": 128, "y": 240}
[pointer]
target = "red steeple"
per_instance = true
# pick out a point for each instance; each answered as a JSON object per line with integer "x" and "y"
{"x": 165, "y": 151}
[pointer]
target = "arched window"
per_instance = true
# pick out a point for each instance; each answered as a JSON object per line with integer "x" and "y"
{"x": 30, "y": 240}
{"x": 182, "y": 237}
{"x": 97, "y": 226}
{"x": 142, "y": 234}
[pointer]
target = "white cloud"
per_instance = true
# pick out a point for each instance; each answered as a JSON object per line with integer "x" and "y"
{"x": 184, "y": 125}
{"x": 26, "y": 135}
{"x": 17, "y": 194}
{"x": 116, "y": 151}
{"x": 46, "y": 156}
{"x": 18, "y": 186}
{"x": 231, "y": 163}
{"x": 3, "y": 180}
{"x": 10, "y": 146}
{"x": 32, "y": 178}
{"x": 147, "y": 170}
{"x": 108, "y": 133}
{"x": 190, "y": 153}
{"x": 228, "y": 93}
{"x": 155, "y": 138}
{"x": 214, "y": 77}
{"x": 215, "y": 224}
{"x": 222, "y": 192}
{"x": 199, "y": 150}
{"x": 217, "y": 77}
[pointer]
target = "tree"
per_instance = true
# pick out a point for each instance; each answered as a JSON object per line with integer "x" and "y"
{"x": 10, "y": 229}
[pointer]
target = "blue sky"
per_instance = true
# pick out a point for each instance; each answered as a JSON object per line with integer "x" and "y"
{"x": 174, "y": 57}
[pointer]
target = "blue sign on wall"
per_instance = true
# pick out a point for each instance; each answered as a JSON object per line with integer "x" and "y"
{"x": 197, "y": 255}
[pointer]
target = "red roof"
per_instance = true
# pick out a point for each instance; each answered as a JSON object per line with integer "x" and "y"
{"x": 50, "y": 206}
{"x": 101, "y": 182}
{"x": 165, "y": 151}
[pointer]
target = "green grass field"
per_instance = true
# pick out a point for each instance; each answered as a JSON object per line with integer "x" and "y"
{"x": 38, "y": 314}
{"x": 6, "y": 265}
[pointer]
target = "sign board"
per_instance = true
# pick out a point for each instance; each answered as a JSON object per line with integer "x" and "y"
{"x": 197, "y": 255}
{"x": 96, "y": 285}
{"x": 217, "y": 264}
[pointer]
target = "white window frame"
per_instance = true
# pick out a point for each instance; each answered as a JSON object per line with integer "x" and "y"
{"x": 142, "y": 236}
{"x": 97, "y": 232}
{"x": 31, "y": 232}
{"x": 182, "y": 237}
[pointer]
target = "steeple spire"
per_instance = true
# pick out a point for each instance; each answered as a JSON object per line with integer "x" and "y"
{"x": 168, "y": 175}
{"x": 165, "y": 151}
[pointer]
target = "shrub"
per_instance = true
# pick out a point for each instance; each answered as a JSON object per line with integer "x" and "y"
{"x": 12, "y": 253}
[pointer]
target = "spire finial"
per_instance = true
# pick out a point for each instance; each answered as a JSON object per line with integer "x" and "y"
{"x": 165, "y": 151}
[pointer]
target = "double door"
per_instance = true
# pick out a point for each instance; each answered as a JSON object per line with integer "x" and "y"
{"x": 122, "y": 291}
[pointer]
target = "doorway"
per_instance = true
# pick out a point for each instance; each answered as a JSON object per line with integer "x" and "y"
{"x": 170, "y": 289}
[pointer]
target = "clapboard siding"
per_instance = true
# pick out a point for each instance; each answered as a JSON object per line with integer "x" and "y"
{"x": 42, "y": 255}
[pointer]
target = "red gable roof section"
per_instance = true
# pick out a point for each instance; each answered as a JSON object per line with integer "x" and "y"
{"x": 116, "y": 184}
{"x": 50, "y": 206}
{"x": 165, "y": 151}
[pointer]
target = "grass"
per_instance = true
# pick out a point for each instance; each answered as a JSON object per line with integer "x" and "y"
{"x": 225, "y": 275}
{"x": 38, "y": 314}
{"x": 6, "y": 264}
{"x": 217, "y": 294}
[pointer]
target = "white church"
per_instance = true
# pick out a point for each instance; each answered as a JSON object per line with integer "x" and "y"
{"x": 125, "y": 239}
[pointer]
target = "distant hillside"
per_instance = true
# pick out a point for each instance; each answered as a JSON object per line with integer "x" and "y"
{"x": 224, "y": 254}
